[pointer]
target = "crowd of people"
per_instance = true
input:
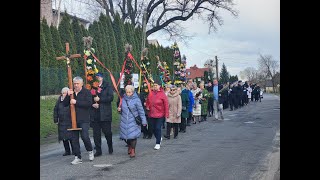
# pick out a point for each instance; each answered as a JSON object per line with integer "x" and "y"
{"x": 171, "y": 107}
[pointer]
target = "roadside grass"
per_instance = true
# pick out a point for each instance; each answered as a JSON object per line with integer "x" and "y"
{"x": 49, "y": 130}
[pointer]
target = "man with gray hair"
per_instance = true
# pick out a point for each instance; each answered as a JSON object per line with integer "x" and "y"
{"x": 82, "y": 102}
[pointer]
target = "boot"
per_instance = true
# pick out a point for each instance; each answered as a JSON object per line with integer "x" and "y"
{"x": 129, "y": 149}
{"x": 132, "y": 153}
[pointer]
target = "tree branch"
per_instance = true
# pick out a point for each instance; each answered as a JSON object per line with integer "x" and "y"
{"x": 111, "y": 8}
{"x": 176, "y": 18}
{"x": 150, "y": 10}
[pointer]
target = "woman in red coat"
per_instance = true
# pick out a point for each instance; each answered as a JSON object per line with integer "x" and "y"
{"x": 157, "y": 105}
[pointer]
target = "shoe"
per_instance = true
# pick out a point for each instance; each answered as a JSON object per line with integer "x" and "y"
{"x": 76, "y": 161}
{"x": 157, "y": 147}
{"x": 110, "y": 150}
{"x": 149, "y": 137}
{"x": 184, "y": 131}
{"x": 168, "y": 137}
{"x": 91, "y": 155}
{"x": 97, "y": 154}
{"x": 66, "y": 154}
{"x": 132, "y": 153}
{"x": 129, "y": 149}
{"x": 144, "y": 136}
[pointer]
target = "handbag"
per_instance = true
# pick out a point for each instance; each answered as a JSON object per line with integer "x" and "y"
{"x": 138, "y": 118}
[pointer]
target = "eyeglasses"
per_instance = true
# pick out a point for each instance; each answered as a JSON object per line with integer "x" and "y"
{"x": 172, "y": 89}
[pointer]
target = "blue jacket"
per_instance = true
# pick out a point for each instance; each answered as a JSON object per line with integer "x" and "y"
{"x": 128, "y": 126}
{"x": 191, "y": 100}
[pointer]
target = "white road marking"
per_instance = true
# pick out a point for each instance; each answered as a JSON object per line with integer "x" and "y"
{"x": 249, "y": 122}
{"x": 102, "y": 165}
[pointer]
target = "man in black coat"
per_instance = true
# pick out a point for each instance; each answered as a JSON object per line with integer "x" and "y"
{"x": 210, "y": 99}
{"x": 101, "y": 116}
{"x": 82, "y": 102}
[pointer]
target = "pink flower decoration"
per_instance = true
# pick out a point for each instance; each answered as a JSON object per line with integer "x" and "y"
{"x": 99, "y": 90}
{"x": 93, "y": 92}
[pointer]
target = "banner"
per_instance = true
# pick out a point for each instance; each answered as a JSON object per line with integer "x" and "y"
{"x": 135, "y": 81}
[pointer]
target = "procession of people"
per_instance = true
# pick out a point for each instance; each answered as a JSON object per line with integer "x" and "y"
{"x": 174, "y": 107}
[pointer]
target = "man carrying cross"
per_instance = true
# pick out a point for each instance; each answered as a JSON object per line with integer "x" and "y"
{"x": 82, "y": 102}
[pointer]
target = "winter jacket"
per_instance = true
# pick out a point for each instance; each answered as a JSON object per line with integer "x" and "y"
{"x": 175, "y": 107}
{"x": 104, "y": 112}
{"x": 185, "y": 103}
{"x": 82, "y": 106}
{"x": 191, "y": 100}
{"x": 157, "y": 103}
{"x": 128, "y": 126}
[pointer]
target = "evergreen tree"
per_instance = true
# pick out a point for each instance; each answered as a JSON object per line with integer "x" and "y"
{"x": 113, "y": 47}
{"x": 53, "y": 74}
{"x": 206, "y": 74}
{"x": 59, "y": 50}
{"x": 67, "y": 35}
{"x": 224, "y": 75}
{"x": 120, "y": 36}
{"x": 96, "y": 34}
{"x": 44, "y": 63}
{"x": 84, "y": 31}
{"x": 77, "y": 34}
{"x": 130, "y": 38}
{"x": 233, "y": 78}
{"x": 106, "y": 59}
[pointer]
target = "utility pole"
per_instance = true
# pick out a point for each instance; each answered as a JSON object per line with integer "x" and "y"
{"x": 217, "y": 67}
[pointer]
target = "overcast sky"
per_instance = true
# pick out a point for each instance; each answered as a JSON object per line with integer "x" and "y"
{"x": 238, "y": 42}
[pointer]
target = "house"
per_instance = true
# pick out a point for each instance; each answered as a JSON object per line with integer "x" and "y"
{"x": 51, "y": 15}
{"x": 196, "y": 73}
{"x": 269, "y": 87}
{"x": 153, "y": 42}
{"x": 84, "y": 22}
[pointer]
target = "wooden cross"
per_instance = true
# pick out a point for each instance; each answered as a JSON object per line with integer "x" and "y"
{"x": 68, "y": 57}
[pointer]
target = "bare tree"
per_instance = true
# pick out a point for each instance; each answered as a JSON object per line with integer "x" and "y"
{"x": 211, "y": 65}
{"x": 268, "y": 67}
{"x": 249, "y": 73}
{"x": 165, "y": 14}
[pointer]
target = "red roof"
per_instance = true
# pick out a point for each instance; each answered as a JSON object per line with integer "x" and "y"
{"x": 195, "y": 72}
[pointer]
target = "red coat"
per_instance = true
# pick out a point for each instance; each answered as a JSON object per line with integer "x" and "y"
{"x": 157, "y": 103}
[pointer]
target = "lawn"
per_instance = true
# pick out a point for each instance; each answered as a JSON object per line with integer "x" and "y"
{"x": 48, "y": 129}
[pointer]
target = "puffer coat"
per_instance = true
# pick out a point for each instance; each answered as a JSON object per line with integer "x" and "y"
{"x": 128, "y": 126}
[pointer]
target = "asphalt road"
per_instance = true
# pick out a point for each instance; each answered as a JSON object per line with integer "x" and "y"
{"x": 246, "y": 145}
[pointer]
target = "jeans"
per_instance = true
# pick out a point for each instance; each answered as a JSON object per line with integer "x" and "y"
{"x": 84, "y": 136}
{"x": 105, "y": 127}
{"x": 156, "y": 124}
{"x": 216, "y": 107}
